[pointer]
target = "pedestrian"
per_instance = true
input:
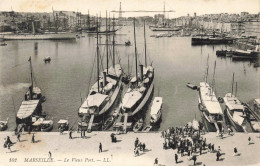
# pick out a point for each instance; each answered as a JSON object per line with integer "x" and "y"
{"x": 235, "y": 151}
{"x": 249, "y": 140}
{"x": 212, "y": 148}
{"x": 49, "y": 154}
{"x": 100, "y": 147}
{"x": 156, "y": 162}
{"x": 218, "y": 155}
{"x": 176, "y": 158}
{"x": 70, "y": 134}
{"x": 18, "y": 137}
{"x": 200, "y": 149}
{"x": 136, "y": 142}
{"x": 33, "y": 138}
{"x": 194, "y": 158}
{"x": 143, "y": 146}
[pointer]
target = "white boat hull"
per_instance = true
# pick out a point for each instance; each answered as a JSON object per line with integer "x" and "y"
{"x": 144, "y": 101}
{"x": 238, "y": 127}
{"x": 112, "y": 99}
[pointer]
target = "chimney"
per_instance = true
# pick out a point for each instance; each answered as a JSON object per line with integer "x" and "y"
{"x": 104, "y": 78}
{"x": 141, "y": 72}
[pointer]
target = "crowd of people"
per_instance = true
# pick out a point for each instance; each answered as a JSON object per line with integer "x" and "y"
{"x": 187, "y": 141}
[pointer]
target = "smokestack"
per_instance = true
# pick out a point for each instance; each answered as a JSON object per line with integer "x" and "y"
{"x": 104, "y": 78}
{"x": 141, "y": 72}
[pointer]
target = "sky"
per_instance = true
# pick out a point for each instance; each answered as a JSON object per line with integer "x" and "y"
{"x": 181, "y": 7}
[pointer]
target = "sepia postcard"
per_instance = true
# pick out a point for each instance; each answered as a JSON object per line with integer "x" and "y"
{"x": 129, "y": 83}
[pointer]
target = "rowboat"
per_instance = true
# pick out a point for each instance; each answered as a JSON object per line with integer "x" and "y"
{"x": 47, "y": 125}
{"x": 138, "y": 125}
{"x": 3, "y": 125}
{"x": 156, "y": 110}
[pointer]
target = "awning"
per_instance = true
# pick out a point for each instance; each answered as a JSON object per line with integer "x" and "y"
{"x": 27, "y": 108}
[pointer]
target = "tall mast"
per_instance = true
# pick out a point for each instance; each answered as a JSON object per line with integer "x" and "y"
{"x": 97, "y": 57}
{"x": 232, "y": 84}
{"x": 107, "y": 42}
{"x": 207, "y": 71}
{"x": 145, "y": 46}
{"x": 88, "y": 21}
{"x": 236, "y": 89}
{"x": 213, "y": 81}
{"x": 31, "y": 88}
{"x": 163, "y": 12}
{"x": 113, "y": 42}
{"x": 135, "y": 56}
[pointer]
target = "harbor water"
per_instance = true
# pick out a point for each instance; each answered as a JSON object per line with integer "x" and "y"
{"x": 66, "y": 79}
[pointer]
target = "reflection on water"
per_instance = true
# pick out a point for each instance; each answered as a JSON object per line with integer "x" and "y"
{"x": 66, "y": 78}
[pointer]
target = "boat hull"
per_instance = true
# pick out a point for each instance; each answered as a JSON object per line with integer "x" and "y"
{"x": 113, "y": 98}
{"x": 144, "y": 101}
{"x": 202, "y": 41}
{"x": 238, "y": 127}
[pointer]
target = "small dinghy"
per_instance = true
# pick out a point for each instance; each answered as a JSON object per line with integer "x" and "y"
{"x": 138, "y": 125}
{"x": 63, "y": 124}
{"x": 108, "y": 123}
{"x": 3, "y": 125}
{"x": 3, "y": 44}
{"x": 47, "y": 59}
{"x": 128, "y": 43}
{"x": 156, "y": 110}
{"x": 37, "y": 125}
{"x": 191, "y": 86}
{"x": 147, "y": 128}
{"x": 47, "y": 125}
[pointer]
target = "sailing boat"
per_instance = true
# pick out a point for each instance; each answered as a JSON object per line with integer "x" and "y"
{"x": 209, "y": 105}
{"x": 34, "y": 92}
{"x": 103, "y": 93}
{"x": 32, "y": 103}
{"x": 235, "y": 110}
{"x": 141, "y": 86}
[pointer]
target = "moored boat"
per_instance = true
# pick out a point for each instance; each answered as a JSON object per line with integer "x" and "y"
{"x": 141, "y": 86}
{"x": 36, "y": 126}
{"x": 3, "y": 125}
{"x": 47, "y": 59}
{"x": 108, "y": 123}
{"x": 103, "y": 94}
{"x": 156, "y": 112}
{"x": 235, "y": 112}
{"x": 209, "y": 105}
{"x": 47, "y": 125}
{"x": 63, "y": 124}
{"x": 138, "y": 125}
